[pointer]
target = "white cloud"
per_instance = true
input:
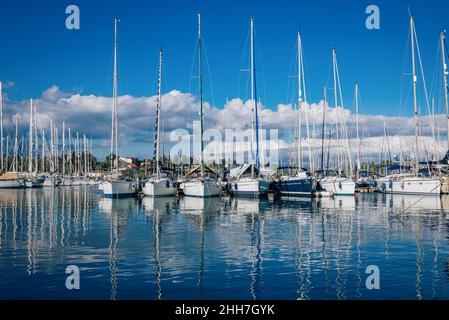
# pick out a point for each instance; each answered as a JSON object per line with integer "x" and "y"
{"x": 91, "y": 115}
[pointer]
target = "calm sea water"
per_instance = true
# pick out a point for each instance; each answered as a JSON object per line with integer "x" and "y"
{"x": 188, "y": 248}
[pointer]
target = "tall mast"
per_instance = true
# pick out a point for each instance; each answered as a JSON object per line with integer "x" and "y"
{"x": 200, "y": 82}
{"x": 158, "y": 119}
{"x": 30, "y": 149}
{"x": 357, "y": 124}
{"x": 85, "y": 154}
{"x": 114, "y": 135}
{"x": 63, "y": 148}
{"x": 334, "y": 62}
{"x": 299, "y": 102}
{"x": 1, "y": 127}
{"x": 52, "y": 147}
{"x": 70, "y": 151}
{"x": 77, "y": 157}
{"x": 36, "y": 144}
{"x": 323, "y": 130}
{"x": 445, "y": 73}
{"x": 43, "y": 151}
{"x": 415, "y": 105}
{"x": 16, "y": 147}
{"x": 302, "y": 92}
{"x": 254, "y": 98}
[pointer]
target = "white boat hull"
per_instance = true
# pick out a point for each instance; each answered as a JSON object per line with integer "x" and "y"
{"x": 250, "y": 187}
{"x": 157, "y": 188}
{"x": 337, "y": 186}
{"x": 11, "y": 184}
{"x": 412, "y": 185}
{"x": 204, "y": 188}
{"x": 119, "y": 188}
{"x": 34, "y": 183}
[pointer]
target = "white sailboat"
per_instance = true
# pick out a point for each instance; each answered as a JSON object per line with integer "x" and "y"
{"x": 32, "y": 181}
{"x": 7, "y": 179}
{"x": 201, "y": 181}
{"x": 332, "y": 182}
{"x": 158, "y": 185}
{"x": 117, "y": 186}
{"x": 412, "y": 182}
{"x": 254, "y": 184}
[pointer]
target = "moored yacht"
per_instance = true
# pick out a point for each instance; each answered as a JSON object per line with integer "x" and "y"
{"x": 120, "y": 187}
{"x": 299, "y": 184}
{"x": 245, "y": 181}
{"x": 331, "y": 183}
{"x": 201, "y": 181}
{"x": 117, "y": 186}
{"x": 158, "y": 185}
{"x": 10, "y": 180}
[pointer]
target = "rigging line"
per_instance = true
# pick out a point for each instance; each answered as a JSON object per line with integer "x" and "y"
{"x": 401, "y": 79}
{"x": 422, "y": 71}
{"x": 435, "y": 72}
{"x": 260, "y": 58}
{"x": 195, "y": 52}
{"x": 242, "y": 64}
{"x": 209, "y": 72}
{"x": 290, "y": 97}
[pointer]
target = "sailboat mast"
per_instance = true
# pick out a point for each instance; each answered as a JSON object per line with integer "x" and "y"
{"x": 357, "y": 124}
{"x": 299, "y": 102}
{"x": 85, "y": 154}
{"x": 200, "y": 83}
{"x": 16, "y": 147}
{"x": 254, "y": 97}
{"x": 1, "y": 127}
{"x": 303, "y": 93}
{"x": 158, "y": 118}
{"x": 63, "y": 148}
{"x": 36, "y": 144}
{"x": 115, "y": 129}
{"x": 52, "y": 146}
{"x": 414, "y": 80}
{"x": 334, "y": 62}
{"x": 70, "y": 152}
{"x": 30, "y": 150}
{"x": 43, "y": 151}
{"x": 323, "y": 130}
{"x": 445, "y": 73}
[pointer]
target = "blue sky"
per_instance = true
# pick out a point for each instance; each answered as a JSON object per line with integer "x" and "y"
{"x": 36, "y": 51}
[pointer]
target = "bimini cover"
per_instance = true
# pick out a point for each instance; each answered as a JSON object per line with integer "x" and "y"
{"x": 237, "y": 172}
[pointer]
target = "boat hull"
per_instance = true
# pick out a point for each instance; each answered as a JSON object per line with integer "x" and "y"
{"x": 412, "y": 185}
{"x": 34, "y": 183}
{"x": 250, "y": 187}
{"x": 117, "y": 189}
{"x": 295, "y": 187}
{"x": 159, "y": 188}
{"x": 338, "y": 186}
{"x": 11, "y": 184}
{"x": 202, "y": 189}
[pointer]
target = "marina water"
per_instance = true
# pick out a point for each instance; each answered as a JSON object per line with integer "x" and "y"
{"x": 221, "y": 248}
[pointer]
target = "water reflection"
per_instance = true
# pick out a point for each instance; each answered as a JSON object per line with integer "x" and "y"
{"x": 218, "y": 248}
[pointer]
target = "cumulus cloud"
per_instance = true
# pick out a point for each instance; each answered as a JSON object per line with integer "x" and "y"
{"x": 91, "y": 115}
